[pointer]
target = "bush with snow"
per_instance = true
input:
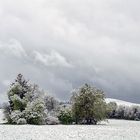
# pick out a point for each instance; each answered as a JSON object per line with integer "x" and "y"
{"x": 35, "y": 112}
{"x": 22, "y": 121}
{"x": 51, "y": 120}
{"x": 65, "y": 116}
{"x": 15, "y": 116}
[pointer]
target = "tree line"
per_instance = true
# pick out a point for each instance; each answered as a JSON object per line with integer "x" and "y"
{"x": 28, "y": 104}
{"x": 123, "y": 112}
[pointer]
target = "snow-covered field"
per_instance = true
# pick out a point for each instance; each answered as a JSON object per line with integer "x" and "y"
{"x": 113, "y": 130}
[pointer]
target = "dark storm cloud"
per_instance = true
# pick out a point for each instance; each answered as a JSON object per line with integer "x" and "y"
{"x": 63, "y": 44}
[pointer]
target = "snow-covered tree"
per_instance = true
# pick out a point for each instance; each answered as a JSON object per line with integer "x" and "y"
{"x": 52, "y": 108}
{"x": 120, "y": 112}
{"x": 51, "y": 103}
{"x": 112, "y": 106}
{"x": 17, "y": 93}
{"x": 35, "y": 112}
{"x": 88, "y": 105}
{"x": 26, "y": 104}
{"x": 124, "y": 112}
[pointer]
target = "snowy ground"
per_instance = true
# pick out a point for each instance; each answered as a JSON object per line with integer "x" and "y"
{"x": 114, "y": 130}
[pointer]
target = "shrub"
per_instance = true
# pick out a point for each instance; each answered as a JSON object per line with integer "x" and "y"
{"x": 65, "y": 117}
{"x": 35, "y": 112}
{"x": 15, "y": 116}
{"x": 22, "y": 121}
{"x": 52, "y": 120}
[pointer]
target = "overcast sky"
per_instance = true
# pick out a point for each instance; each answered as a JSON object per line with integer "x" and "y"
{"x": 62, "y": 44}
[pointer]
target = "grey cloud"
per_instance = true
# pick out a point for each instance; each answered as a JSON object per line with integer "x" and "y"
{"x": 63, "y": 44}
{"x": 52, "y": 59}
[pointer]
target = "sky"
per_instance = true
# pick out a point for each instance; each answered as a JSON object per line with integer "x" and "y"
{"x": 60, "y": 45}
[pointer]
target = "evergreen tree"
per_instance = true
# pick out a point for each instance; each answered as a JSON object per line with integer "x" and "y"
{"x": 26, "y": 104}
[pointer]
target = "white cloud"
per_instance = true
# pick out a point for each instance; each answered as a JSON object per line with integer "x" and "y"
{"x": 52, "y": 59}
{"x": 13, "y": 47}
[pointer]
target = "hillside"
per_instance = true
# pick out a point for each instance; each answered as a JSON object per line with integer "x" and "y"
{"x": 121, "y": 102}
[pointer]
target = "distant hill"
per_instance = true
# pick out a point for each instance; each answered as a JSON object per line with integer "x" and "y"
{"x": 121, "y": 102}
